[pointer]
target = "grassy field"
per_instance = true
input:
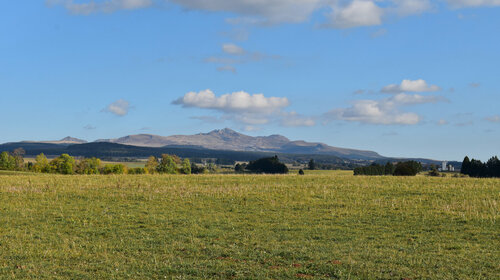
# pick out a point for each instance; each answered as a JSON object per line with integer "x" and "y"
{"x": 319, "y": 226}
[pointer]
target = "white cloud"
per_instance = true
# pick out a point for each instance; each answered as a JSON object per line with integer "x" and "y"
{"x": 232, "y": 49}
{"x": 233, "y": 54}
{"x": 413, "y": 99}
{"x": 344, "y": 13}
{"x": 411, "y": 86}
{"x": 356, "y": 13}
{"x": 494, "y": 119}
{"x": 386, "y": 111}
{"x": 119, "y": 108}
{"x": 222, "y": 60}
{"x": 208, "y": 119}
{"x": 234, "y": 102}
{"x": 379, "y": 33}
{"x": 266, "y": 11}
{"x": 411, "y": 7}
{"x": 251, "y": 128}
{"x": 104, "y": 6}
{"x": 473, "y": 3}
{"x": 293, "y": 119}
{"x": 89, "y": 127}
{"x": 252, "y": 110}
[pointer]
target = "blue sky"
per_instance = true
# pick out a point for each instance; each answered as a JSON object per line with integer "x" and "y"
{"x": 410, "y": 78}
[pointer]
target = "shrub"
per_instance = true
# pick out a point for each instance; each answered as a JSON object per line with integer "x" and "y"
{"x": 195, "y": 169}
{"x": 64, "y": 164}
{"x": 41, "y": 164}
{"x": 407, "y": 168}
{"x": 434, "y": 173}
{"x": 7, "y": 162}
{"x": 137, "y": 170}
{"x": 270, "y": 165}
{"x": 152, "y": 165}
{"x": 88, "y": 166}
{"x": 114, "y": 169}
{"x": 167, "y": 165}
{"x": 239, "y": 168}
{"x": 186, "y": 167}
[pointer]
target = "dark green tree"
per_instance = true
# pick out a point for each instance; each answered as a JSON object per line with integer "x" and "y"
{"x": 466, "y": 165}
{"x": 389, "y": 168}
{"x": 407, "y": 168}
{"x": 270, "y": 165}
{"x": 239, "y": 168}
{"x": 493, "y": 166}
{"x": 312, "y": 165}
{"x": 195, "y": 169}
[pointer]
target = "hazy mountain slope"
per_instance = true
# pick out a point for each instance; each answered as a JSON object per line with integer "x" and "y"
{"x": 67, "y": 140}
{"x": 227, "y": 139}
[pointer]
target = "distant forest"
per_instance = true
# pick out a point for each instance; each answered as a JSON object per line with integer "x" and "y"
{"x": 405, "y": 168}
{"x": 478, "y": 169}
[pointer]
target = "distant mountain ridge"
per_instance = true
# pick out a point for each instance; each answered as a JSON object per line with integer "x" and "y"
{"x": 228, "y": 139}
{"x": 66, "y": 140}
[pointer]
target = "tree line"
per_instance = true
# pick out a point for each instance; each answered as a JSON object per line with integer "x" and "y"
{"x": 66, "y": 164}
{"x": 478, "y": 169}
{"x": 406, "y": 168}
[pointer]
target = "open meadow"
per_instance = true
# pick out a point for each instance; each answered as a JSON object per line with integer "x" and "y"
{"x": 324, "y": 225}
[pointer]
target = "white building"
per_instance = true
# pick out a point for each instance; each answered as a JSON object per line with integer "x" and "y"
{"x": 446, "y": 167}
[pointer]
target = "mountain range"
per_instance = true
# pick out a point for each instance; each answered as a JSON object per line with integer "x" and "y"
{"x": 223, "y": 144}
{"x": 230, "y": 140}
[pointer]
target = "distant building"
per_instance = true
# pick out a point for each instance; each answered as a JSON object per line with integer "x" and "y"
{"x": 446, "y": 167}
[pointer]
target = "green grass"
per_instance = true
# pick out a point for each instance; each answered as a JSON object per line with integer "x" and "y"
{"x": 321, "y": 226}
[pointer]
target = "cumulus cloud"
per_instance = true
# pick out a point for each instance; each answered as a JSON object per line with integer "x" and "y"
{"x": 343, "y": 13}
{"x": 357, "y": 13}
{"x": 119, "y": 108}
{"x": 252, "y": 110}
{"x": 233, "y": 102}
{"x": 410, "y": 86}
{"x": 386, "y": 111}
{"x": 494, "y": 119}
{"x": 104, "y": 6}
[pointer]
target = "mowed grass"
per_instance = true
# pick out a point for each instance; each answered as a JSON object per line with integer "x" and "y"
{"x": 319, "y": 226}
